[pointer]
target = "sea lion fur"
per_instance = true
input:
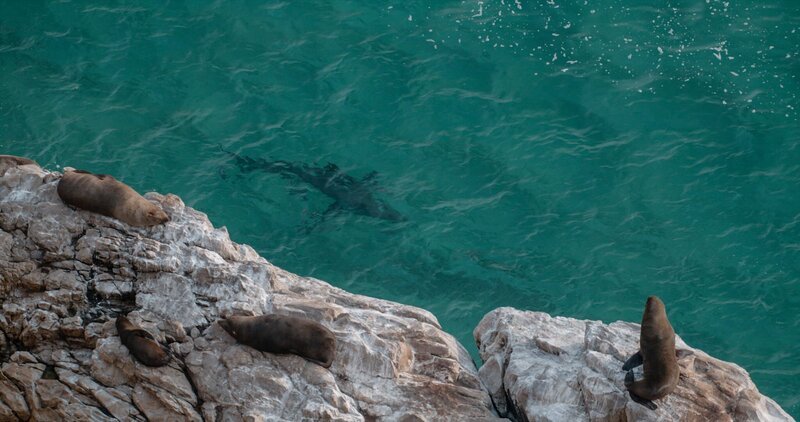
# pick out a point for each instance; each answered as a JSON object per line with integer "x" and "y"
{"x": 657, "y": 354}
{"x": 9, "y": 161}
{"x": 140, "y": 343}
{"x": 102, "y": 194}
{"x": 284, "y": 334}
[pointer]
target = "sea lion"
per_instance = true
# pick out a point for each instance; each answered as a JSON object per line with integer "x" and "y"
{"x": 106, "y": 195}
{"x": 284, "y": 334}
{"x": 141, "y": 344}
{"x": 657, "y": 354}
{"x": 9, "y": 161}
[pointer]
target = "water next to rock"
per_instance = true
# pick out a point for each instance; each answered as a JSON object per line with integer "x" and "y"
{"x": 566, "y": 157}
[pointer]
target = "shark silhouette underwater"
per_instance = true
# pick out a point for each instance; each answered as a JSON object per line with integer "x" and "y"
{"x": 349, "y": 193}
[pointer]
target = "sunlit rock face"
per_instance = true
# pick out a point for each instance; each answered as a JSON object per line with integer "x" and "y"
{"x": 66, "y": 274}
{"x": 543, "y": 368}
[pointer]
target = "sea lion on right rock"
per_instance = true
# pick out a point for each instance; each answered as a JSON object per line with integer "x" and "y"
{"x": 657, "y": 354}
{"x": 103, "y": 194}
{"x": 284, "y": 334}
{"x": 140, "y": 343}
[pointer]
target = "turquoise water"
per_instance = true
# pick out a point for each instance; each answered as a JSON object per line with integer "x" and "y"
{"x": 567, "y": 157}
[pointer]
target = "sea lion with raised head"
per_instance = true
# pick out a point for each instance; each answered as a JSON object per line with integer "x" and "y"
{"x": 657, "y": 354}
{"x": 140, "y": 343}
{"x": 103, "y": 194}
{"x": 284, "y": 334}
{"x": 9, "y": 161}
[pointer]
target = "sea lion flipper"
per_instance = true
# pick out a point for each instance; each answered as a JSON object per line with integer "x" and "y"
{"x": 635, "y": 360}
{"x": 322, "y": 363}
{"x": 629, "y": 378}
{"x": 644, "y": 402}
{"x": 138, "y": 332}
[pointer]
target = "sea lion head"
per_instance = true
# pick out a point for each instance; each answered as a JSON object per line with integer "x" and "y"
{"x": 151, "y": 214}
{"x": 654, "y": 311}
{"x": 327, "y": 350}
{"x": 654, "y": 305}
{"x": 229, "y": 325}
{"x": 123, "y": 324}
{"x": 655, "y": 324}
{"x": 157, "y": 216}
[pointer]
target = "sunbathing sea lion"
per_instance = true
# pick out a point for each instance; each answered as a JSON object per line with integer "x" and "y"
{"x": 284, "y": 334}
{"x": 141, "y": 344}
{"x": 657, "y": 354}
{"x": 105, "y": 195}
{"x": 9, "y": 161}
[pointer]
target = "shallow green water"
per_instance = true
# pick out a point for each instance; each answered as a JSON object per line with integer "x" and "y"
{"x": 567, "y": 157}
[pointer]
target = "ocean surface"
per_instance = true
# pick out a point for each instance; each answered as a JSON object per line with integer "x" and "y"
{"x": 571, "y": 157}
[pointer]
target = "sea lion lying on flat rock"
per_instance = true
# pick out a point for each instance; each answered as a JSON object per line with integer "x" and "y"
{"x": 105, "y": 195}
{"x": 657, "y": 354}
{"x": 284, "y": 334}
{"x": 9, "y": 161}
{"x": 141, "y": 344}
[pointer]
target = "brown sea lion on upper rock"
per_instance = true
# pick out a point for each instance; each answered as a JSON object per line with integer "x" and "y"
{"x": 141, "y": 344}
{"x": 8, "y": 161}
{"x": 105, "y": 195}
{"x": 657, "y": 354}
{"x": 284, "y": 334}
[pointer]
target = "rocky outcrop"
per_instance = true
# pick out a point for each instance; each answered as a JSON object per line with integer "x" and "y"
{"x": 66, "y": 274}
{"x": 544, "y": 368}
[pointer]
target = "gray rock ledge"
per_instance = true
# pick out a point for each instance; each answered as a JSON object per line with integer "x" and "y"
{"x": 543, "y": 368}
{"x": 66, "y": 274}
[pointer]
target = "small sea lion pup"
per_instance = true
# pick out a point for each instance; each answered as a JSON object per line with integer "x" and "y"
{"x": 657, "y": 353}
{"x": 106, "y": 195}
{"x": 141, "y": 344}
{"x": 284, "y": 334}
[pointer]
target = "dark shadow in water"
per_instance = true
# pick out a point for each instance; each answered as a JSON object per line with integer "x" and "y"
{"x": 348, "y": 193}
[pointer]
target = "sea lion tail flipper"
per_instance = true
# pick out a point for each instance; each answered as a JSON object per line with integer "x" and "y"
{"x": 324, "y": 364}
{"x": 633, "y": 361}
{"x": 644, "y": 402}
{"x": 629, "y": 379}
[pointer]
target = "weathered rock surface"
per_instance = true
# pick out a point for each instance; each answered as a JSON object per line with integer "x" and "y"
{"x": 66, "y": 274}
{"x": 543, "y": 368}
